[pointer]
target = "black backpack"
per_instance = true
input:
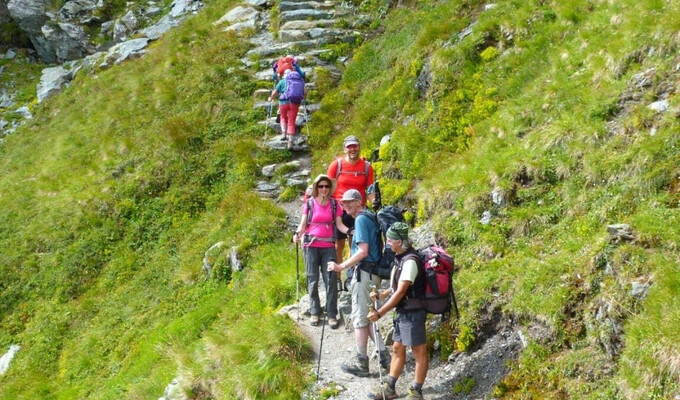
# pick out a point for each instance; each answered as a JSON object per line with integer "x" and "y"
{"x": 384, "y": 219}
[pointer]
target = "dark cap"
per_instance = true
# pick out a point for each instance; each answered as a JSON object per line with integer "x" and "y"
{"x": 398, "y": 231}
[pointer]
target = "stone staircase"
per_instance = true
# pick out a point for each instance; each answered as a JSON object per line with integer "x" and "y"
{"x": 305, "y": 27}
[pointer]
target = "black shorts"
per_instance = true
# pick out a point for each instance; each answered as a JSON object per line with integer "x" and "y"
{"x": 348, "y": 220}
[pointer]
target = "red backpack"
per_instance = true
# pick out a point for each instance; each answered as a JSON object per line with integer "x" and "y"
{"x": 434, "y": 290}
{"x": 284, "y": 64}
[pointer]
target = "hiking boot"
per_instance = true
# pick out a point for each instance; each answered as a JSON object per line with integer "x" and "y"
{"x": 333, "y": 323}
{"x": 385, "y": 359}
{"x": 358, "y": 367}
{"x": 414, "y": 394}
{"x": 383, "y": 391}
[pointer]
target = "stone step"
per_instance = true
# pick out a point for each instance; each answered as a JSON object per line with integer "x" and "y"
{"x": 296, "y": 15}
{"x": 266, "y": 75}
{"x": 303, "y": 24}
{"x": 314, "y": 33}
{"x": 262, "y": 93}
{"x": 299, "y": 143}
{"x": 308, "y": 5}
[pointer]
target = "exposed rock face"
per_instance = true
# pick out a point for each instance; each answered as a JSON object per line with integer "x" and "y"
{"x": 68, "y": 41}
{"x": 4, "y": 13}
{"x": 78, "y": 9}
{"x": 31, "y": 15}
{"x": 51, "y": 82}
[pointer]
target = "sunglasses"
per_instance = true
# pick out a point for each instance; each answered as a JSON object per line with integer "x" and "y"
{"x": 324, "y": 186}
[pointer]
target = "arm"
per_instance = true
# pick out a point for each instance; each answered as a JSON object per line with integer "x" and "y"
{"x": 332, "y": 171}
{"x": 402, "y": 287}
{"x": 369, "y": 182}
{"x": 341, "y": 227}
{"x": 301, "y": 228}
{"x": 354, "y": 259}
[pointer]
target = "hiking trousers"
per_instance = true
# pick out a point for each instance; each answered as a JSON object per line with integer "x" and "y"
{"x": 316, "y": 259}
{"x": 289, "y": 113}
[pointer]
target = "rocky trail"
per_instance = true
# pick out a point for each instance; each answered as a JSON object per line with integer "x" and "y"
{"x": 308, "y": 25}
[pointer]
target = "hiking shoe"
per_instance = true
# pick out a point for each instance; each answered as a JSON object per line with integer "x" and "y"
{"x": 383, "y": 391}
{"x": 290, "y": 145}
{"x": 385, "y": 359}
{"x": 314, "y": 320}
{"x": 358, "y": 367}
{"x": 333, "y": 323}
{"x": 413, "y": 394}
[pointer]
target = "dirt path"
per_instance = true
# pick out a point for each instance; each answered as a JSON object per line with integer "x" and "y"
{"x": 464, "y": 376}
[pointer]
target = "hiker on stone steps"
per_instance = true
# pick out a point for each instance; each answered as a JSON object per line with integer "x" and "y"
{"x": 320, "y": 216}
{"x": 409, "y": 322}
{"x": 350, "y": 172}
{"x": 365, "y": 250}
{"x": 291, "y": 93}
{"x": 283, "y": 64}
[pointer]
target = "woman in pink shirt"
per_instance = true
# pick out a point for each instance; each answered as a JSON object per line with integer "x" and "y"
{"x": 320, "y": 215}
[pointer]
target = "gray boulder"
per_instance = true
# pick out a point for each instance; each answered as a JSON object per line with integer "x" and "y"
{"x": 124, "y": 26}
{"x": 52, "y": 81}
{"x": 238, "y": 14}
{"x": 77, "y": 9}
{"x": 123, "y": 51}
{"x": 68, "y": 41}
{"x": 31, "y": 15}
{"x": 181, "y": 7}
{"x": 157, "y": 30}
{"x": 6, "y": 99}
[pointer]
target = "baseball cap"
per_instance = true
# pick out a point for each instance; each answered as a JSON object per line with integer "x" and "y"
{"x": 350, "y": 140}
{"x": 351, "y": 194}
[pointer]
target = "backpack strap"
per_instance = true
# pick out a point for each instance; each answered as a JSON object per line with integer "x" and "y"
{"x": 412, "y": 300}
{"x": 310, "y": 214}
{"x": 367, "y": 166}
{"x": 367, "y": 265}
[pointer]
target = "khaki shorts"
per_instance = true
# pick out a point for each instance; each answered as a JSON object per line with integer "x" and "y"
{"x": 361, "y": 297}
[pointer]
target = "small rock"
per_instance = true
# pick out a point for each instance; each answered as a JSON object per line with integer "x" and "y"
{"x": 25, "y": 112}
{"x": 659, "y": 106}
{"x": 620, "y": 232}
{"x": 639, "y": 289}
{"x": 269, "y": 170}
{"x": 498, "y": 197}
{"x": 486, "y": 218}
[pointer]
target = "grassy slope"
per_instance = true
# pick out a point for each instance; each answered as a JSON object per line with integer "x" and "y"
{"x": 110, "y": 198}
{"x": 523, "y": 105}
{"x": 113, "y": 194}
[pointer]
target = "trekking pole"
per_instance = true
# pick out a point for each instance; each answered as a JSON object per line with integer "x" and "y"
{"x": 297, "y": 279}
{"x": 304, "y": 104}
{"x": 455, "y": 303}
{"x": 323, "y": 326}
{"x": 378, "y": 339}
{"x": 269, "y": 115}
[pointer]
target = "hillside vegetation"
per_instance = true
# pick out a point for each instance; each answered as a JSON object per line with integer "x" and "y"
{"x": 110, "y": 197}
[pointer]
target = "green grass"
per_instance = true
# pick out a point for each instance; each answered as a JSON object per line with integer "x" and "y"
{"x": 114, "y": 192}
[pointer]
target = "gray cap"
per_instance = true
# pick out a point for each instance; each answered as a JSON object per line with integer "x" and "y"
{"x": 350, "y": 140}
{"x": 351, "y": 194}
